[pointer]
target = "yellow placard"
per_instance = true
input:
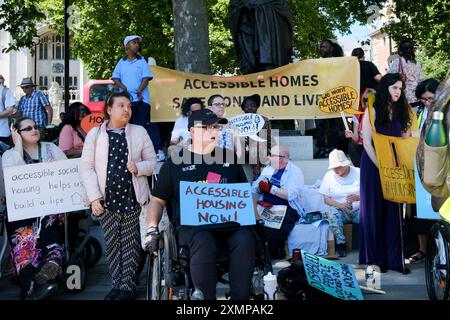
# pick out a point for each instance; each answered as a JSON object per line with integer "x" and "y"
{"x": 444, "y": 211}
{"x": 289, "y": 92}
{"x": 340, "y": 99}
{"x": 395, "y": 157}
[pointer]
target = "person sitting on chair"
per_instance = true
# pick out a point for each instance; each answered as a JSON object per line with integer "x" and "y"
{"x": 191, "y": 164}
{"x": 281, "y": 183}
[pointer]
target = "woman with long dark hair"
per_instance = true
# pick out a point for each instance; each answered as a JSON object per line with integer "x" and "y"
{"x": 37, "y": 244}
{"x": 380, "y": 223}
{"x": 71, "y": 138}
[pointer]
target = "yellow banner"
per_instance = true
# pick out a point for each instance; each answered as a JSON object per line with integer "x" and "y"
{"x": 289, "y": 92}
{"x": 395, "y": 157}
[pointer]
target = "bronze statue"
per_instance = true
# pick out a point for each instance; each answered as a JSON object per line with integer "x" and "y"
{"x": 262, "y": 33}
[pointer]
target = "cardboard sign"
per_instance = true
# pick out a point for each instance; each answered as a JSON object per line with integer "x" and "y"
{"x": 340, "y": 99}
{"x": 205, "y": 203}
{"x": 423, "y": 199}
{"x": 37, "y": 190}
{"x": 288, "y": 92}
{"x": 248, "y": 125}
{"x": 91, "y": 121}
{"x": 334, "y": 278}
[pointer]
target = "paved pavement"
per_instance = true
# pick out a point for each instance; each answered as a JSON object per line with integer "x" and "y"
{"x": 396, "y": 285}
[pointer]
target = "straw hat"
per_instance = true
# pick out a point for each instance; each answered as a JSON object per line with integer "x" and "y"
{"x": 337, "y": 158}
{"x": 27, "y": 82}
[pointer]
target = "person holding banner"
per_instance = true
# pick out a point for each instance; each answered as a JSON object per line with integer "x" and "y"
{"x": 380, "y": 220}
{"x": 203, "y": 162}
{"x": 71, "y": 138}
{"x": 38, "y": 243}
{"x": 117, "y": 158}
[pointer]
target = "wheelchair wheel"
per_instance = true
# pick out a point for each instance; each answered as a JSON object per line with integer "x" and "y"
{"x": 159, "y": 271}
{"x": 437, "y": 265}
{"x": 92, "y": 252}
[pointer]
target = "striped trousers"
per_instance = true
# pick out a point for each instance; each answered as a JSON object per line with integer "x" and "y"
{"x": 123, "y": 247}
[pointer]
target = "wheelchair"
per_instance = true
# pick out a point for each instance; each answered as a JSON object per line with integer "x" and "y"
{"x": 169, "y": 270}
{"x": 81, "y": 249}
{"x": 437, "y": 265}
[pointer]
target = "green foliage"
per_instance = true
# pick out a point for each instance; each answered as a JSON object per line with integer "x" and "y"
{"x": 436, "y": 66}
{"x": 426, "y": 22}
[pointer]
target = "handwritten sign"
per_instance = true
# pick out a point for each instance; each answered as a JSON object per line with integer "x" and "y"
{"x": 423, "y": 199}
{"x": 205, "y": 203}
{"x": 340, "y": 99}
{"x": 41, "y": 189}
{"x": 91, "y": 121}
{"x": 331, "y": 277}
{"x": 248, "y": 125}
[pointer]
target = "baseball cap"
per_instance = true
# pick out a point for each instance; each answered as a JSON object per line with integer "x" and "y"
{"x": 131, "y": 38}
{"x": 206, "y": 117}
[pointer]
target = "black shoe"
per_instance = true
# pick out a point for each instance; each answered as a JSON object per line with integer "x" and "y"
{"x": 112, "y": 295}
{"x": 126, "y": 295}
{"x": 402, "y": 270}
{"x": 341, "y": 249}
{"x": 43, "y": 291}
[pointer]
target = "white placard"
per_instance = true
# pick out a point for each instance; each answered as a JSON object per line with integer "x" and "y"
{"x": 248, "y": 125}
{"x": 41, "y": 189}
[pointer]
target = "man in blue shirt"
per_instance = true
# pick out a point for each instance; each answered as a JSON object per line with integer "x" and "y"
{"x": 34, "y": 104}
{"x": 132, "y": 75}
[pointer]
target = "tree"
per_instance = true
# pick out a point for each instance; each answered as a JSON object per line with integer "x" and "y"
{"x": 436, "y": 66}
{"x": 191, "y": 36}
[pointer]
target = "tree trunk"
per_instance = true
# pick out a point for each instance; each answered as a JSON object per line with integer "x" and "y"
{"x": 191, "y": 35}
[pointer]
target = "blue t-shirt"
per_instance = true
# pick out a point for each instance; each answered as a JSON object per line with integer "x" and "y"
{"x": 276, "y": 181}
{"x": 131, "y": 74}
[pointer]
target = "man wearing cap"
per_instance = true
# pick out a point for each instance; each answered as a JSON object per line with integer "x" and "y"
{"x": 340, "y": 190}
{"x": 132, "y": 75}
{"x": 191, "y": 164}
{"x": 6, "y": 109}
{"x": 34, "y": 104}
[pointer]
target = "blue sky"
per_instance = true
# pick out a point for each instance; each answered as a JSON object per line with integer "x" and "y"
{"x": 351, "y": 41}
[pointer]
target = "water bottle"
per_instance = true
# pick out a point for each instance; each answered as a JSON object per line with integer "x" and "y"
{"x": 197, "y": 295}
{"x": 270, "y": 286}
{"x": 436, "y": 136}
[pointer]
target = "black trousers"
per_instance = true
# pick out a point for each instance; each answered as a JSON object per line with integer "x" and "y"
{"x": 204, "y": 247}
{"x": 327, "y": 133}
{"x": 277, "y": 237}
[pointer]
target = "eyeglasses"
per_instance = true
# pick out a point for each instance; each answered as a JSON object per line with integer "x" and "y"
{"x": 210, "y": 127}
{"x": 429, "y": 99}
{"x": 29, "y": 128}
{"x": 277, "y": 156}
{"x": 219, "y": 105}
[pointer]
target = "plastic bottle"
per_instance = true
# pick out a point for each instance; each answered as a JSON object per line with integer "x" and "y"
{"x": 436, "y": 136}
{"x": 370, "y": 277}
{"x": 197, "y": 295}
{"x": 270, "y": 286}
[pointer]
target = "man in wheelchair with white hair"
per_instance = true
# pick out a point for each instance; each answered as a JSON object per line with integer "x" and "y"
{"x": 188, "y": 164}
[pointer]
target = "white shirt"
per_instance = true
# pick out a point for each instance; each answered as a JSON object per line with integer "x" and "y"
{"x": 338, "y": 188}
{"x": 292, "y": 180}
{"x": 180, "y": 129}
{"x": 9, "y": 103}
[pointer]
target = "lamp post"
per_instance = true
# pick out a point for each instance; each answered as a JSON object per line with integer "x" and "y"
{"x": 36, "y": 43}
{"x": 66, "y": 56}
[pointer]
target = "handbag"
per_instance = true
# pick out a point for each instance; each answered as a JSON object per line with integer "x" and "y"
{"x": 143, "y": 215}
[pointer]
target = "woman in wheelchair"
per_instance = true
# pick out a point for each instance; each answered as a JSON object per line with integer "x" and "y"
{"x": 203, "y": 241}
{"x": 37, "y": 243}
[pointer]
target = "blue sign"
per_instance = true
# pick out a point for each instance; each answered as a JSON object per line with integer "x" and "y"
{"x": 205, "y": 203}
{"x": 423, "y": 199}
{"x": 334, "y": 278}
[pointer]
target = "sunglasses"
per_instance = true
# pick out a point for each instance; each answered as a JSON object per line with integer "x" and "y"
{"x": 29, "y": 128}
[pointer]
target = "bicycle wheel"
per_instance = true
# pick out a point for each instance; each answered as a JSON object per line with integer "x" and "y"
{"x": 437, "y": 265}
{"x": 154, "y": 278}
{"x": 92, "y": 252}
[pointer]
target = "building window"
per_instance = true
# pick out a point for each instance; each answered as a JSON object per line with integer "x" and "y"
{"x": 59, "y": 80}
{"x": 58, "y": 48}
{"x": 43, "y": 51}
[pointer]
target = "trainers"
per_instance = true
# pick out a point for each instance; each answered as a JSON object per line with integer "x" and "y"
{"x": 112, "y": 295}
{"x": 341, "y": 249}
{"x": 49, "y": 271}
{"x": 160, "y": 156}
